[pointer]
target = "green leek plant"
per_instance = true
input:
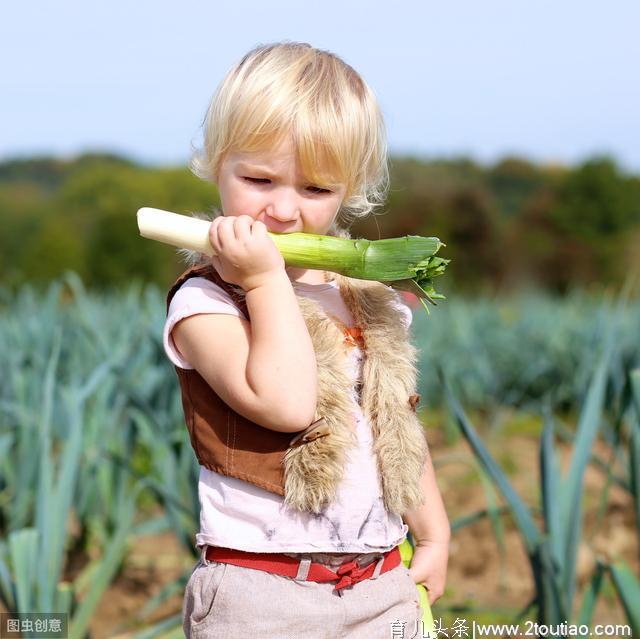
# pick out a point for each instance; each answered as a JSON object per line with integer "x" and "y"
{"x": 553, "y": 552}
{"x": 625, "y": 582}
{"x": 32, "y": 557}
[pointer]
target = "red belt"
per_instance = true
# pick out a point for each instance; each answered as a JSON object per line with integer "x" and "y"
{"x": 347, "y": 574}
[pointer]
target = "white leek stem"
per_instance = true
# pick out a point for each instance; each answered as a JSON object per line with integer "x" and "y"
{"x": 178, "y": 230}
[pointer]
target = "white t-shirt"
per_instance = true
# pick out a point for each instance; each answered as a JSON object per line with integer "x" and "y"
{"x": 238, "y": 514}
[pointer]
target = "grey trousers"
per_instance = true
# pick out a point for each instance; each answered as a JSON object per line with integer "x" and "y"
{"x": 232, "y": 602}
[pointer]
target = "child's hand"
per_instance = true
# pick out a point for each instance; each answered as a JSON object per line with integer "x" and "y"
{"x": 429, "y": 567}
{"x": 247, "y": 256}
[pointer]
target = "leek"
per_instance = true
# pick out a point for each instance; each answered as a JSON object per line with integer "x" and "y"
{"x": 406, "y": 263}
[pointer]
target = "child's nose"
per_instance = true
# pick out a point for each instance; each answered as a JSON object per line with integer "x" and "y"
{"x": 285, "y": 209}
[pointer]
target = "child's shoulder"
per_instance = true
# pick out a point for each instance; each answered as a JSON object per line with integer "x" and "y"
{"x": 193, "y": 296}
{"x": 201, "y": 294}
{"x": 199, "y": 284}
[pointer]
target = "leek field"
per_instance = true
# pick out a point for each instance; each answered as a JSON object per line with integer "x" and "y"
{"x": 532, "y": 410}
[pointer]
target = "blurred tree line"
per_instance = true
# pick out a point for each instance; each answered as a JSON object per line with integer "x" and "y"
{"x": 505, "y": 225}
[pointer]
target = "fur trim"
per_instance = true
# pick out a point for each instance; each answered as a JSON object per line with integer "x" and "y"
{"x": 313, "y": 471}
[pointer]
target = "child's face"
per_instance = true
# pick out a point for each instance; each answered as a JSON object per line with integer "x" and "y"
{"x": 269, "y": 187}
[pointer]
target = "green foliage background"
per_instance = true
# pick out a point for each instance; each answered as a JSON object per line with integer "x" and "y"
{"x": 506, "y": 225}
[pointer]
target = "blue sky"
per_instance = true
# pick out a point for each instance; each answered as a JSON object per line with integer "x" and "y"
{"x": 552, "y": 81}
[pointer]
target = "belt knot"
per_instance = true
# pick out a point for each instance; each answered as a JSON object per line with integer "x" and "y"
{"x": 349, "y": 574}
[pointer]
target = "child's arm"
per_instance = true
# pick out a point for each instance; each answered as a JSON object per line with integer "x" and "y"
{"x": 431, "y": 530}
{"x": 264, "y": 369}
{"x": 429, "y": 522}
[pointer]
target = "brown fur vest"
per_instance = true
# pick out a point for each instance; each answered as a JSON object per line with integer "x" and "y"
{"x": 307, "y": 468}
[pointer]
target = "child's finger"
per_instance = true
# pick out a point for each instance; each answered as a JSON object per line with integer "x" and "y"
{"x": 259, "y": 228}
{"x": 213, "y": 236}
{"x": 226, "y": 233}
{"x": 242, "y": 226}
{"x": 214, "y": 229}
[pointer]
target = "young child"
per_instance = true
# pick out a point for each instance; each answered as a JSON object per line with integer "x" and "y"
{"x": 298, "y": 386}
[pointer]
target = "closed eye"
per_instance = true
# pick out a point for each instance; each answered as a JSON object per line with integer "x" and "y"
{"x": 313, "y": 189}
{"x": 257, "y": 180}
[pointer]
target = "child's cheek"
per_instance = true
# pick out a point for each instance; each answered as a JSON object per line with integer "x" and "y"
{"x": 242, "y": 203}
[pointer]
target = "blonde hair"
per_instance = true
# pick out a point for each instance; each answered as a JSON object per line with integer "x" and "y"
{"x": 293, "y": 89}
